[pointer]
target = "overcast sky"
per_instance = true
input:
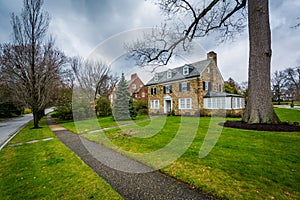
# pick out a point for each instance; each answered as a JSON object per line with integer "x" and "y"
{"x": 80, "y": 26}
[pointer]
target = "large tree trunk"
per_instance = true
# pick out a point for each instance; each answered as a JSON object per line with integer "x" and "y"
{"x": 259, "y": 107}
{"x": 35, "y": 119}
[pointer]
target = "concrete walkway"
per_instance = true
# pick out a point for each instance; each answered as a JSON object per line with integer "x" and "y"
{"x": 151, "y": 185}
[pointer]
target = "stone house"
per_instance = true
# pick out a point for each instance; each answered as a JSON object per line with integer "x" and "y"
{"x": 137, "y": 89}
{"x": 191, "y": 89}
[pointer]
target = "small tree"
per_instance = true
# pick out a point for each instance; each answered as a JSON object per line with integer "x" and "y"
{"x": 103, "y": 107}
{"x": 141, "y": 107}
{"x": 132, "y": 109}
{"x": 121, "y": 102}
{"x": 64, "y": 104}
{"x": 230, "y": 86}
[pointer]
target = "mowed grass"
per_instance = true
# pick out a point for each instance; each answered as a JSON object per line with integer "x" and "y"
{"x": 290, "y": 115}
{"x": 243, "y": 164}
{"x": 95, "y": 124}
{"x": 47, "y": 170}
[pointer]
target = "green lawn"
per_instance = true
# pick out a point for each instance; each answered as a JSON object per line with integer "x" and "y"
{"x": 290, "y": 115}
{"x": 47, "y": 170}
{"x": 243, "y": 164}
{"x": 94, "y": 124}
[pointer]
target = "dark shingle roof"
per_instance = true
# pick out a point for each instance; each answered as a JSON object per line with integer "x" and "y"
{"x": 195, "y": 70}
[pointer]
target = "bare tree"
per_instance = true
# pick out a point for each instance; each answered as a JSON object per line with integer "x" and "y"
{"x": 293, "y": 80}
{"x": 31, "y": 63}
{"x": 195, "y": 20}
{"x": 278, "y": 83}
{"x": 94, "y": 77}
{"x": 198, "y": 19}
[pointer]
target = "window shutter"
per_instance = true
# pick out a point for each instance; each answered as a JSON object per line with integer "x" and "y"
{"x": 179, "y": 87}
{"x": 203, "y": 85}
{"x": 151, "y": 91}
{"x": 164, "y": 89}
{"x": 209, "y": 86}
{"x": 188, "y": 86}
{"x": 170, "y": 88}
{"x": 154, "y": 91}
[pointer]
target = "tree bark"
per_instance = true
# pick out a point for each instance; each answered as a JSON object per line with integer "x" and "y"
{"x": 35, "y": 119}
{"x": 259, "y": 107}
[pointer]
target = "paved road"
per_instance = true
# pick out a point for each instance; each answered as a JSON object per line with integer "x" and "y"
{"x": 10, "y": 127}
{"x": 286, "y": 106}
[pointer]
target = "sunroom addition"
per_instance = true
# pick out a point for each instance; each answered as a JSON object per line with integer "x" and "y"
{"x": 225, "y": 101}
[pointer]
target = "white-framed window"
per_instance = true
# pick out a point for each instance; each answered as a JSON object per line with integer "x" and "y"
{"x": 143, "y": 94}
{"x": 224, "y": 103}
{"x": 169, "y": 74}
{"x": 206, "y": 85}
{"x": 186, "y": 70}
{"x": 167, "y": 89}
{"x": 133, "y": 86}
{"x": 153, "y": 91}
{"x": 238, "y": 103}
{"x": 183, "y": 87}
{"x": 156, "y": 77}
{"x": 215, "y": 103}
{"x": 219, "y": 87}
{"x": 154, "y": 104}
{"x": 185, "y": 103}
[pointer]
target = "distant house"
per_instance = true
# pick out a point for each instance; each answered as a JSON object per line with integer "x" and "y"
{"x": 191, "y": 89}
{"x": 137, "y": 89}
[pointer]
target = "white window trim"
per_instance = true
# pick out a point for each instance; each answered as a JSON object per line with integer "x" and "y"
{"x": 185, "y": 70}
{"x": 219, "y": 87}
{"x": 169, "y": 74}
{"x": 156, "y": 77}
{"x": 206, "y": 85}
{"x": 168, "y": 89}
{"x": 226, "y": 103}
{"x": 133, "y": 86}
{"x": 153, "y": 89}
{"x": 185, "y": 103}
{"x": 184, "y": 89}
{"x": 154, "y": 104}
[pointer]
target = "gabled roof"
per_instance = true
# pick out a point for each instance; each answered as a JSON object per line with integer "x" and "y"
{"x": 195, "y": 70}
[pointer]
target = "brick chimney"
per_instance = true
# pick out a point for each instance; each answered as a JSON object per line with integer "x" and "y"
{"x": 133, "y": 76}
{"x": 212, "y": 55}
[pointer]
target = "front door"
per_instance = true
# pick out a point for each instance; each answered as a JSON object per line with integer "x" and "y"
{"x": 167, "y": 104}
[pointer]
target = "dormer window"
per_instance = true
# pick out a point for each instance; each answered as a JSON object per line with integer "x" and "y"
{"x": 169, "y": 74}
{"x": 186, "y": 70}
{"x": 155, "y": 77}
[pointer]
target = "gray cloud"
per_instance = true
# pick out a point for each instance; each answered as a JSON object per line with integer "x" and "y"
{"x": 80, "y": 25}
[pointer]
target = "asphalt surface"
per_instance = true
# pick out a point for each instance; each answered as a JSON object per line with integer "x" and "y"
{"x": 150, "y": 185}
{"x": 9, "y": 128}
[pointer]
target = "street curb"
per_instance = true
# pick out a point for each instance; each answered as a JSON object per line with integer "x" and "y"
{"x": 12, "y": 135}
